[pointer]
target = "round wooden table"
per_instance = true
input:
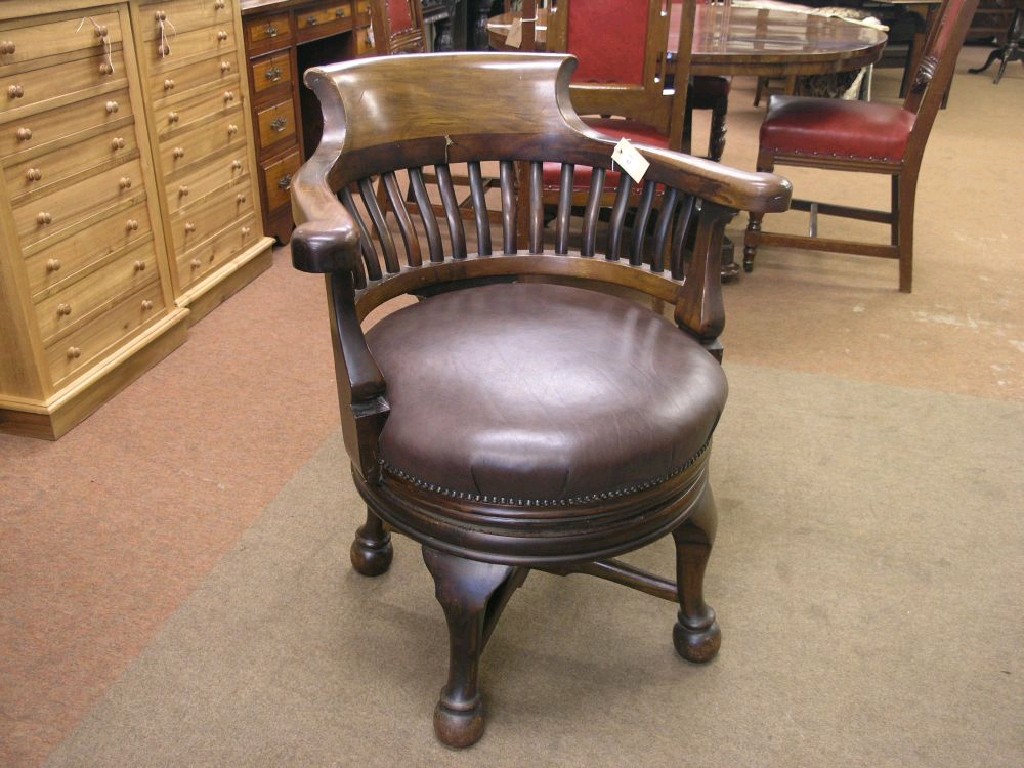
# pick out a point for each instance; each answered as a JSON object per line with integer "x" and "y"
{"x": 763, "y": 42}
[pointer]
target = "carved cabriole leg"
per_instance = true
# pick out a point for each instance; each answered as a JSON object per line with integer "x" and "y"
{"x": 472, "y": 595}
{"x": 696, "y": 634}
{"x": 371, "y": 551}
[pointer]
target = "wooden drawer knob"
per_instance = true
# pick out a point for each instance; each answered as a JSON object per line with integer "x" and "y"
{"x": 246, "y": 231}
{"x": 179, "y": 152}
{"x": 232, "y": 129}
{"x": 125, "y": 183}
{"x": 101, "y": 31}
{"x": 111, "y": 107}
{"x": 23, "y": 134}
{"x": 236, "y": 165}
{"x": 53, "y": 265}
{"x": 229, "y": 96}
{"x": 164, "y": 50}
{"x": 161, "y": 15}
{"x": 242, "y": 198}
{"x": 190, "y": 226}
{"x": 6, "y": 46}
{"x": 63, "y": 310}
{"x": 183, "y": 191}
{"x": 15, "y": 91}
{"x": 222, "y": 35}
{"x": 147, "y": 305}
{"x": 219, "y": 5}
{"x": 172, "y": 117}
{"x": 139, "y": 266}
{"x": 225, "y": 66}
{"x": 74, "y": 353}
{"x": 33, "y": 174}
{"x": 44, "y": 218}
{"x": 195, "y": 264}
{"x": 106, "y": 68}
{"x": 168, "y": 84}
{"x": 117, "y": 143}
{"x": 131, "y": 225}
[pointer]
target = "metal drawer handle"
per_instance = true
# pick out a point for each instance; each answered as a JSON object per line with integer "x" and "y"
{"x": 311, "y": 21}
{"x": 285, "y": 182}
{"x": 279, "y": 125}
{"x": 274, "y": 74}
{"x": 271, "y": 30}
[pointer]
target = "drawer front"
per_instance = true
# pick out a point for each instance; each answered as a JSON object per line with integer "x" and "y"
{"x": 179, "y": 83}
{"x": 276, "y": 123}
{"x": 176, "y": 116}
{"x": 88, "y": 345}
{"x": 24, "y": 93}
{"x": 165, "y": 55}
{"x": 268, "y": 30}
{"x": 37, "y": 130}
{"x": 271, "y": 71}
{"x": 209, "y": 178}
{"x": 35, "y": 174}
{"x": 307, "y": 19}
{"x": 96, "y": 292}
{"x": 171, "y": 20}
{"x": 30, "y": 39}
{"x": 38, "y": 219}
{"x": 54, "y": 267}
{"x": 204, "y": 138}
{"x": 200, "y": 223}
{"x": 204, "y": 258}
{"x": 277, "y": 181}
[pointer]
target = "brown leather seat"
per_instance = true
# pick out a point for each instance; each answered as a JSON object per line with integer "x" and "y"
{"x": 524, "y": 362}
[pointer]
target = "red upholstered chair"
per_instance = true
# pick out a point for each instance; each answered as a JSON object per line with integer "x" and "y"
{"x": 620, "y": 86}
{"x": 397, "y": 26}
{"x": 534, "y": 409}
{"x": 862, "y": 136}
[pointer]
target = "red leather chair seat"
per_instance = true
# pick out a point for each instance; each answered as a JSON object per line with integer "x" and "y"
{"x": 558, "y": 394}
{"x": 858, "y": 130}
{"x": 615, "y": 128}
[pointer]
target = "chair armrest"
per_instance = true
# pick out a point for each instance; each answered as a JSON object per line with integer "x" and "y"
{"x": 320, "y": 247}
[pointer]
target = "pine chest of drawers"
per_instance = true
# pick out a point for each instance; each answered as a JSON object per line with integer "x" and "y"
{"x": 128, "y": 202}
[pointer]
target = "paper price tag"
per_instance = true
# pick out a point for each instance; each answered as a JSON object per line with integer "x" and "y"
{"x": 515, "y": 34}
{"x": 630, "y": 159}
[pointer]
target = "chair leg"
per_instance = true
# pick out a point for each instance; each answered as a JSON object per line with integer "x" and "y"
{"x": 696, "y": 635}
{"x": 472, "y": 595}
{"x": 903, "y": 191}
{"x": 371, "y": 552}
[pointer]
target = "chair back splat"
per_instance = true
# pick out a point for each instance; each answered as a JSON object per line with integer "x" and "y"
{"x": 540, "y": 405}
{"x": 397, "y": 26}
{"x": 867, "y": 137}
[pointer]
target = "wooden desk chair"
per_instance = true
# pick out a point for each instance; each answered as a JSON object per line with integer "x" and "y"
{"x": 397, "y": 27}
{"x": 862, "y": 136}
{"x": 508, "y": 423}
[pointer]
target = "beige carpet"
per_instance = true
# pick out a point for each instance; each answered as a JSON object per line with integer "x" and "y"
{"x": 174, "y": 586}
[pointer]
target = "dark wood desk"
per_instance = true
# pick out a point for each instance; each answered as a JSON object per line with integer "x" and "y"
{"x": 764, "y": 42}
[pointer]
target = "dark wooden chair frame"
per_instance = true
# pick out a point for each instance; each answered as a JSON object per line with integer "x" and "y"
{"x": 664, "y": 251}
